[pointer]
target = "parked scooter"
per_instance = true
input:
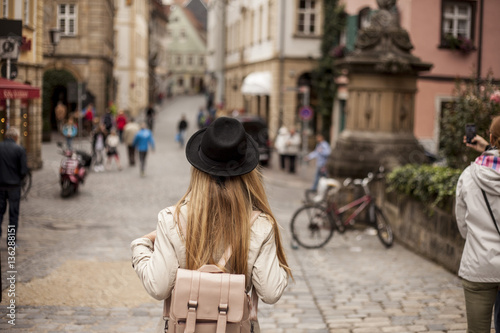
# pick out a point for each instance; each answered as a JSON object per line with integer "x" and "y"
{"x": 72, "y": 171}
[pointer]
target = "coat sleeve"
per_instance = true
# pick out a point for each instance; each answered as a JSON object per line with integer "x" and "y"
{"x": 461, "y": 207}
{"x": 24, "y": 164}
{"x": 268, "y": 277}
{"x": 156, "y": 267}
{"x": 295, "y": 140}
{"x": 325, "y": 149}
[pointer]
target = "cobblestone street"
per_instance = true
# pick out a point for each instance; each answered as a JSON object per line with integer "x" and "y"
{"x": 74, "y": 272}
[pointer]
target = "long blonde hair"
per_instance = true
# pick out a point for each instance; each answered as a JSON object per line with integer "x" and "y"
{"x": 219, "y": 216}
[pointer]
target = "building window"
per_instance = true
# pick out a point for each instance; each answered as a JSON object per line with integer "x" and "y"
{"x": 5, "y": 8}
{"x": 202, "y": 61}
{"x": 178, "y": 60}
{"x": 458, "y": 20}
{"x": 269, "y": 20}
{"x": 26, "y": 12}
{"x": 190, "y": 60}
{"x": 260, "y": 25}
{"x": 182, "y": 35}
{"x": 66, "y": 16}
{"x": 307, "y": 17}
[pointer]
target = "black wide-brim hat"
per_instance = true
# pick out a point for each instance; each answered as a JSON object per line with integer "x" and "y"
{"x": 223, "y": 149}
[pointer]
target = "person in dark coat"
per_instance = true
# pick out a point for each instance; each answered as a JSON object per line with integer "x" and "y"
{"x": 181, "y": 130}
{"x": 13, "y": 168}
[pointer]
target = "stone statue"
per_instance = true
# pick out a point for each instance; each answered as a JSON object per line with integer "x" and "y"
{"x": 385, "y": 41}
{"x": 386, "y": 4}
{"x": 382, "y": 83}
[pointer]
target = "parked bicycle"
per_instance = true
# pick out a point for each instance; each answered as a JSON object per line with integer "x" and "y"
{"x": 314, "y": 223}
{"x": 26, "y": 185}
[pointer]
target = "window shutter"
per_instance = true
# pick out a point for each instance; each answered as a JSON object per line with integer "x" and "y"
{"x": 351, "y": 31}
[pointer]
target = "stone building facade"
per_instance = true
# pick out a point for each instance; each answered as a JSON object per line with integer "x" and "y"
{"x": 272, "y": 44}
{"x": 84, "y": 54}
{"x": 186, "y": 50}
{"x": 131, "y": 68}
{"x": 26, "y": 114}
{"x": 158, "y": 61}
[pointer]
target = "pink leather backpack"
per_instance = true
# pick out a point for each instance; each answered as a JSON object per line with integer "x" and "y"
{"x": 208, "y": 300}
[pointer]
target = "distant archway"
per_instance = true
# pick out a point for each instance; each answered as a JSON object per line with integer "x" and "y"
{"x": 55, "y": 88}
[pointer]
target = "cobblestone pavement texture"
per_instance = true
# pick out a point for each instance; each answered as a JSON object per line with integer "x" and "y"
{"x": 73, "y": 260}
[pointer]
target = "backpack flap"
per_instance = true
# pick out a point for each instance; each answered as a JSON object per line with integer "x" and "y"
{"x": 206, "y": 295}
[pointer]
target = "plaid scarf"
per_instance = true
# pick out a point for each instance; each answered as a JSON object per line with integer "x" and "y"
{"x": 490, "y": 159}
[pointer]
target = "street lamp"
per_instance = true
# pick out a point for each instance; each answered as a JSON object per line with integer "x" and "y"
{"x": 55, "y": 38}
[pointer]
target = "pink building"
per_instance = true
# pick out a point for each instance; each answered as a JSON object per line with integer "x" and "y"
{"x": 434, "y": 27}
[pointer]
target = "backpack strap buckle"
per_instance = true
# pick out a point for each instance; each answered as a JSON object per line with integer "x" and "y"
{"x": 192, "y": 305}
{"x": 223, "y": 308}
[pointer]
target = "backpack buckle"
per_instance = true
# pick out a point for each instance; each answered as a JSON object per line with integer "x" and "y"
{"x": 192, "y": 305}
{"x": 223, "y": 308}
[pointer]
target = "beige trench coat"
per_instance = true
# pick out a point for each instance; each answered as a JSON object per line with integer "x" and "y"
{"x": 157, "y": 268}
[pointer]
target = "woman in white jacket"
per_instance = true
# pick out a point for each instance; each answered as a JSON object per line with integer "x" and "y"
{"x": 480, "y": 264}
{"x": 280, "y": 145}
{"x": 225, "y": 188}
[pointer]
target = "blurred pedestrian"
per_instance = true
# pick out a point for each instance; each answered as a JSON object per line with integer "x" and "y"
{"x": 150, "y": 116}
{"x": 13, "y": 168}
{"x": 121, "y": 121}
{"x": 280, "y": 145}
{"x": 320, "y": 153}
{"x": 129, "y": 133}
{"x": 98, "y": 147}
{"x": 477, "y": 213}
{"x": 69, "y": 131}
{"x": 88, "y": 118}
{"x": 112, "y": 142}
{"x": 201, "y": 117}
{"x": 108, "y": 120}
{"x": 181, "y": 130}
{"x": 292, "y": 148}
{"x": 143, "y": 139}
{"x": 61, "y": 113}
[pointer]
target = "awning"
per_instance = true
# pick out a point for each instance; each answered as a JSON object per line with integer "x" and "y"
{"x": 257, "y": 83}
{"x": 17, "y": 90}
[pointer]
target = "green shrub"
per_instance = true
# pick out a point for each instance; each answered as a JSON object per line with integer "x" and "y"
{"x": 433, "y": 185}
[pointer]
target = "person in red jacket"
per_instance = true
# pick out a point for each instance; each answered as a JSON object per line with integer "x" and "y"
{"x": 121, "y": 121}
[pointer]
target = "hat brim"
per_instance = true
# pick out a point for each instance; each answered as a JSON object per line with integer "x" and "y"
{"x": 231, "y": 168}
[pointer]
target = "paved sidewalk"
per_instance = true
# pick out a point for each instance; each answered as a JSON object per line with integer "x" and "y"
{"x": 73, "y": 263}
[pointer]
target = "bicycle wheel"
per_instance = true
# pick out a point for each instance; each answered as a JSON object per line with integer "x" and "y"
{"x": 384, "y": 230}
{"x": 312, "y": 227}
{"x": 26, "y": 186}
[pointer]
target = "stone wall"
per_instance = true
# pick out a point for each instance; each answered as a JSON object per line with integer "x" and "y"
{"x": 432, "y": 233}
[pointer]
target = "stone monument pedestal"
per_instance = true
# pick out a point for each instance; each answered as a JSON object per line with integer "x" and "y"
{"x": 380, "y": 108}
{"x": 379, "y": 125}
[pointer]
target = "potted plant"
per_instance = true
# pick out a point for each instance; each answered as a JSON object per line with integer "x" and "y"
{"x": 460, "y": 43}
{"x": 338, "y": 51}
